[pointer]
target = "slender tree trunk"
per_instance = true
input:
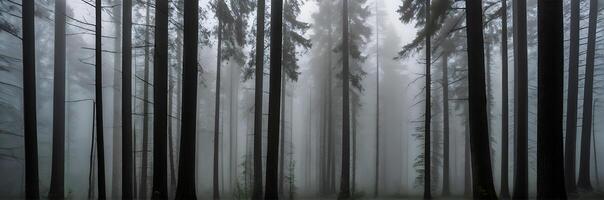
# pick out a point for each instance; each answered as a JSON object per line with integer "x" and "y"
{"x": 32, "y": 190}
{"x": 521, "y": 101}
{"x": 377, "y": 103}
{"x": 445, "y": 81}
{"x": 127, "y": 143}
{"x": 573, "y": 95}
{"x": 215, "y": 186}
{"x": 272, "y": 154}
{"x": 116, "y": 173}
{"x": 467, "y": 163}
{"x": 282, "y": 166}
{"x": 427, "y": 108}
{"x": 160, "y": 89}
{"x": 145, "y": 143}
{"x": 345, "y": 178}
{"x": 482, "y": 175}
{"x": 258, "y": 94}
{"x": 57, "y": 179}
{"x": 171, "y": 164}
{"x": 504, "y": 192}
{"x": 550, "y": 139}
{"x": 331, "y": 182}
{"x": 186, "y": 167}
{"x": 99, "y": 101}
{"x": 584, "y": 182}
{"x": 354, "y": 146}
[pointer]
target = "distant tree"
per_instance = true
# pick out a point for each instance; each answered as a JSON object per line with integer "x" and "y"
{"x": 482, "y": 175}
{"x": 127, "y": 137}
{"x": 160, "y": 89}
{"x": 570, "y": 147}
{"x": 99, "y": 100}
{"x": 32, "y": 190}
{"x": 57, "y": 180}
{"x": 584, "y": 182}
{"x": 521, "y": 101}
{"x": 272, "y": 159}
{"x": 550, "y": 139}
{"x": 145, "y": 140}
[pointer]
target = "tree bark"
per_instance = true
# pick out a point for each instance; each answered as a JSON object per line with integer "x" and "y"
{"x": 186, "y": 167}
{"x": 427, "y": 108}
{"x": 445, "y": 84}
{"x": 258, "y": 94}
{"x": 345, "y": 177}
{"x": 57, "y": 179}
{"x": 99, "y": 101}
{"x": 521, "y": 101}
{"x": 215, "y": 187}
{"x": 572, "y": 99}
{"x": 550, "y": 139}
{"x": 482, "y": 175}
{"x": 272, "y": 154}
{"x": 504, "y": 192}
{"x": 584, "y": 182}
{"x": 160, "y": 105}
{"x": 127, "y": 142}
{"x": 32, "y": 190}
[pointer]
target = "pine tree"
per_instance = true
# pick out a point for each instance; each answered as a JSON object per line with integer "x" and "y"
{"x": 127, "y": 136}
{"x": 258, "y": 96}
{"x": 99, "y": 100}
{"x": 570, "y": 147}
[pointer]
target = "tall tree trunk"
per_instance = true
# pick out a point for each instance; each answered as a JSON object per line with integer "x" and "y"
{"x": 258, "y": 94}
{"x": 445, "y": 81}
{"x": 482, "y": 175}
{"x": 272, "y": 154}
{"x": 171, "y": 164}
{"x": 377, "y": 103}
{"x": 331, "y": 182}
{"x": 127, "y": 143}
{"x": 550, "y": 139}
{"x": 99, "y": 100}
{"x": 160, "y": 105}
{"x": 145, "y": 143}
{"x": 521, "y": 101}
{"x": 354, "y": 145}
{"x": 32, "y": 190}
{"x": 573, "y": 95}
{"x": 186, "y": 167}
{"x": 427, "y": 108}
{"x": 116, "y": 173}
{"x": 282, "y": 166}
{"x": 504, "y": 192}
{"x": 584, "y": 183}
{"x": 57, "y": 178}
{"x": 215, "y": 187}
{"x": 345, "y": 178}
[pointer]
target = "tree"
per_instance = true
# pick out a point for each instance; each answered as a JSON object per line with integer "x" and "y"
{"x": 145, "y": 142}
{"x": 570, "y": 148}
{"x": 445, "y": 84}
{"x": 186, "y": 168}
{"x": 550, "y": 139}
{"x": 127, "y": 141}
{"x": 504, "y": 192}
{"x": 345, "y": 179}
{"x": 427, "y": 111}
{"x": 521, "y": 101}
{"x": 32, "y": 190}
{"x": 99, "y": 100}
{"x": 57, "y": 180}
{"x": 482, "y": 175}
{"x": 272, "y": 155}
{"x": 258, "y": 94}
{"x": 584, "y": 182}
{"x": 160, "y": 89}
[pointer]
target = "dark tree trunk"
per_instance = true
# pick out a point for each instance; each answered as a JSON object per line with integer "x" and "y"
{"x": 504, "y": 192}
{"x": 186, "y": 167}
{"x": 127, "y": 142}
{"x": 99, "y": 100}
{"x": 345, "y": 178}
{"x": 145, "y": 143}
{"x": 427, "y": 109}
{"x": 57, "y": 179}
{"x": 550, "y": 139}
{"x": 573, "y": 95}
{"x": 482, "y": 175}
{"x": 445, "y": 81}
{"x": 160, "y": 105}
{"x": 584, "y": 183}
{"x": 215, "y": 186}
{"x": 272, "y": 151}
{"x": 258, "y": 94}
{"x": 32, "y": 190}
{"x": 521, "y": 101}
